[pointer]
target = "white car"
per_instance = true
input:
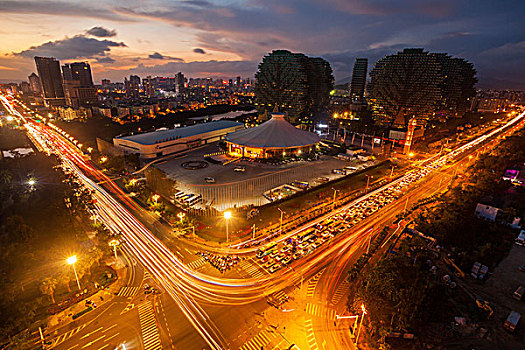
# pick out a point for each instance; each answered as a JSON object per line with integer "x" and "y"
{"x": 209, "y": 180}
{"x": 240, "y": 169}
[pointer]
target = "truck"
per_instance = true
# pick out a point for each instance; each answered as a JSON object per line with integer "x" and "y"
{"x": 512, "y": 321}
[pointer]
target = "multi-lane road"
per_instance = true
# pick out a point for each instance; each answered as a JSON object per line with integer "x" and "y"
{"x": 199, "y": 307}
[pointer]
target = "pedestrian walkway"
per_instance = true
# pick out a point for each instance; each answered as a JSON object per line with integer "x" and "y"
{"x": 319, "y": 311}
{"x": 148, "y": 327}
{"x": 195, "y": 264}
{"x": 128, "y": 291}
{"x": 340, "y": 291}
{"x": 312, "y": 283}
{"x": 251, "y": 269}
{"x": 260, "y": 340}
{"x": 146, "y": 275}
{"x": 62, "y": 338}
{"x": 310, "y": 336}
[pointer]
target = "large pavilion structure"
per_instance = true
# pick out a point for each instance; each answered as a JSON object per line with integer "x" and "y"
{"x": 275, "y": 138}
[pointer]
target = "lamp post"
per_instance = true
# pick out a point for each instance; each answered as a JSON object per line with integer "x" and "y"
{"x": 281, "y": 225}
{"x": 71, "y": 261}
{"x": 360, "y": 323}
{"x": 227, "y": 216}
{"x": 181, "y": 215}
{"x": 333, "y": 201}
{"x": 155, "y": 198}
{"x": 114, "y": 243}
{"x": 367, "y": 182}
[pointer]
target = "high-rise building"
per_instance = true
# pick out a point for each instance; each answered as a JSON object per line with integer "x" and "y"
{"x": 293, "y": 83}
{"x": 358, "y": 82}
{"x": 34, "y": 84}
{"x": 51, "y": 80}
{"x": 80, "y": 71}
{"x": 405, "y": 86}
{"x": 238, "y": 82}
{"x": 180, "y": 80}
{"x": 148, "y": 84}
{"x": 132, "y": 86}
{"x": 105, "y": 82}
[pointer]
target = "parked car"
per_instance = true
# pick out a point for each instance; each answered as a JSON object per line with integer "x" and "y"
{"x": 239, "y": 169}
{"x": 209, "y": 180}
{"x": 522, "y": 268}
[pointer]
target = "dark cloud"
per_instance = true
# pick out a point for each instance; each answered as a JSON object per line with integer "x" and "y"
{"x": 60, "y": 8}
{"x": 198, "y": 50}
{"x": 101, "y": 32}
{"x": 78, "y": 46}
{"x": 105, "y": 59}
{"x": 158, "y": 56}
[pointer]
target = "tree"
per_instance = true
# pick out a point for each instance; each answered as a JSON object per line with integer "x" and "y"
{"x": 48, "y": 287}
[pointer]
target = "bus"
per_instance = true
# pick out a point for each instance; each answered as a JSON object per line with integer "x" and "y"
{"x": 262, "y": 252}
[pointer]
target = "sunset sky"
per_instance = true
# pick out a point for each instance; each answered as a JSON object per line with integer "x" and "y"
{"x": 228, "y": 38}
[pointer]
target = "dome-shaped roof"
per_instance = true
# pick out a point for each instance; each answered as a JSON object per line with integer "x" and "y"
{"x": 274, "y": 133}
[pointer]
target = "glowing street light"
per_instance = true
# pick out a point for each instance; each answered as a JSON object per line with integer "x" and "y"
{"x": 411, "y": 154}
{"x": 103, "y": 159}
{"x": 10, "y": 118}
{"x": 281, "y": 226}
{"x": 363, "y": 309}
{"x": 114, "y": 243}
{"x": 155, "y": 198}
{"x": 227, "y": 216}
{"x": 71, "y": 261}
{"x": 31, "y": 182}
{"x": 181, "y": 215}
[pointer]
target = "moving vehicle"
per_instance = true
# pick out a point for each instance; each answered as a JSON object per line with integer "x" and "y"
{"x": 209, "y": 180}
{"x": 239, "y": 169}
{"x": 265, "y": 251}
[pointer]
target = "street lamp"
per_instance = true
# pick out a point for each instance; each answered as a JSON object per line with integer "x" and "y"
{"x": 31, "y": 182}
{"x": 227, "y": 216}
{"x": 333, "y": 201}
{"x": 180, "y": 216}
{"x": 363, "y": 309}
{"x": 155, "y": 198}
{"x": 114, "y": 243}
{"x": 367, "y": 182}
{"x": 71, "y": 261}
{"x": 103, "y": 159}
{"x": 281, "y": 226}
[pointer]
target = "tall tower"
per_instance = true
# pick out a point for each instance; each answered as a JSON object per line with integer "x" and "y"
{"x": 410, "y": 135}
{"x": 51, "y": 80}
{"x": 358, "y": 83}
{"x": 34, "y": 84}
{"x": 80, "y": 71}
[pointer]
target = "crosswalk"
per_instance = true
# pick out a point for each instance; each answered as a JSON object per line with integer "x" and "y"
{"x": 251, "y": 269}
{"x": 128, "y": 291}
{"x": 195, "y": 264}
{"x": 319, "y": 311}
{"x": 312, "y": 283}
{"x": 260, "y": 340}
{"x": 340, "y": 291}
{"x": 310, "y": 336}
{"x": 63, "y": 337}
{"x": 148, "y": 327}
{"x": 146, "y": 275}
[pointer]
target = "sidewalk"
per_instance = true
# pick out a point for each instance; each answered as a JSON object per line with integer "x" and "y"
{"x": 54, "y": 322}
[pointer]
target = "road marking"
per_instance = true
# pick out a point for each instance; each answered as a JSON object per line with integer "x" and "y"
{"x": 107, "y": 329}
{"x": 113, "y": 336}
{"x": 128, "y": 307}
{"x": 316, "y": 310}
{"x": 105, "y": 346}
{"x": 128, "y": 291}
{"x": 88, "y": 334}
{"x": 312, "y": 283}
{"x": 252, "y": 270}
{"x": 195, "y": 264}
{"x": 67, "y": 335}
{"x": 340, "y": 291}
{"x": 260, "y": 340}
{"x": 148, "y": 326}
{"x": 310, "y": 336}
{"x": 93, "y": 342}
{"x": 74, "y": 346}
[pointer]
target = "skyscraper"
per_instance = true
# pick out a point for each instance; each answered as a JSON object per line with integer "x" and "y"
{"x": 51, "y": 80}
{"x": 293, "y": 82}
{"x": 80, "y": 71}
{"x": 132, "y": 86}
{"x": 358, "y": 83}
{"x": 179, "y": 83}
{"x": 34, "y": 84}
{"x": 405, "y": 86}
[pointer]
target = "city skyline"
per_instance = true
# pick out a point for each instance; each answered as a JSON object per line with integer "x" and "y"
{"x": 221, "y": 39}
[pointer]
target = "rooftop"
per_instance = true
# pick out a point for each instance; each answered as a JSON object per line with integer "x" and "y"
{"x": 274, "y": 133}
{"x": 151, "y": 138}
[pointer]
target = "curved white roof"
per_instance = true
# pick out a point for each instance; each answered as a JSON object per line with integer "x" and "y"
{"x": 274, "y": 133}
